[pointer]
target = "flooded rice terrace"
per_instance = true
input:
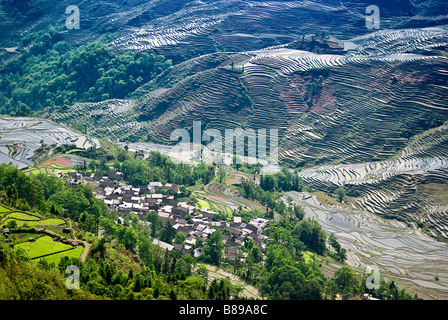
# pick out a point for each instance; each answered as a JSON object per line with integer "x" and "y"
{"x": 401, "y": 253}
{"x": 405, "y": 255}
{"x": 20, "y": 137}
{"x": 409, "y": 257}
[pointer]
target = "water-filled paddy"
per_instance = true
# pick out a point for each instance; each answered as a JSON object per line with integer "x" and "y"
{"x": 406, "y": 255}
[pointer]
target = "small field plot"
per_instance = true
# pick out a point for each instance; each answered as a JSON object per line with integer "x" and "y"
{"x": 52, "y": 222}
{"x": 202, "y": 204}
{"x": 43, "y": 246}
{"x": 24, "y": 236}
{"x": 3, "y": 212}
{"x": 23, "y": 216}
{"x": 74, "y": 253}
{"x": 310, "y": 257}
{"x": 21, "y": 223}
{"x": 61, "y": 163}
{"x": 4, "y": 209}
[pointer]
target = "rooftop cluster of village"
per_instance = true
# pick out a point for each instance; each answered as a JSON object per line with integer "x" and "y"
{"x": 194, "y": 223}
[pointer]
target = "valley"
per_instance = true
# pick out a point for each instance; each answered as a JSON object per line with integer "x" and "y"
{"x": 369, "y": 239}
{"x": 361, "y": 116}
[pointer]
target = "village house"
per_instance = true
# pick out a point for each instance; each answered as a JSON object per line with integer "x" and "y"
{"x": 163, "y": 245}
{"x": 169, "y": 200}
{"x": 172, "y": 186}
{"x": 232, "y": 254}
{"x": 180, "y": 212}
{"x": 208, "y": 214}
{"x": 155, "y": 186}
{"x": 125, "y": 199}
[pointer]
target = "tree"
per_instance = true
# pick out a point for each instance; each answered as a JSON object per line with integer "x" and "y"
{"x": 129, "y": 239}
{"x": 311, "y": 234}
{"x": 153, "y": 217}
{"x": 340, "y": 192}
{"x": 108, "y": 226}
{"x": 255, "y": 254}
{"x": 179, "y": 238}
{"x": 212, "y": 250}
{"x": 11, "y": 224}
{"x": 92, "y": 165}
{"x": 299, "y": 211}
{"x": 219, "y": 289}
{"x": 348, "y": 281}
{"x": 334, "y": 242}
{"x": 168, "y": 233}
{"x": 145, "y": 250}
{"x": 100, "y": 247}
{"x": 267, "y": 183}
{"x": 222, "y": 174}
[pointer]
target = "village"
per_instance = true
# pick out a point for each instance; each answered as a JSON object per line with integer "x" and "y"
{"x": 184, "y": 217}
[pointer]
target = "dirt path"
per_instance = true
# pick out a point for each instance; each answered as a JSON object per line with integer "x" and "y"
{"x": 86, "y": 247}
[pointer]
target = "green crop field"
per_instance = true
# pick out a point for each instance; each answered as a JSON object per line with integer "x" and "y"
{"x": 52, "y": 221}
{"x": 42, "y": 246}
{"x": 310, "y": 257}
{"x": 21, "y": 223}
{"x": 203, "y": 204}
{"x": 74, "y": 253}
{"x": 4, "y": 209}
{"x": 23, "y": 216}
{"x": 3, "y": 212}
{"x": 23, "y": 237}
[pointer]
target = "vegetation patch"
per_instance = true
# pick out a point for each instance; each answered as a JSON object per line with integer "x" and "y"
{"x": 23, "y": 216}
{"x": 43, "y": 246}
{"x": 327, "y": 200}
{"x": 20, "y": 223}
{"x": 52, "y": 75}
{"x": 25, "y": 236}
{"x": 52, "y": 221}
{"x": 202, "y": 204}
{"x": 75, "y": 253}
{"x": 310, "y": 257}
{"x": 4, "y": 209}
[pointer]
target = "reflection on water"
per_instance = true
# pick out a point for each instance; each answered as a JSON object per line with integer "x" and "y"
{"x": 406, "y": 255}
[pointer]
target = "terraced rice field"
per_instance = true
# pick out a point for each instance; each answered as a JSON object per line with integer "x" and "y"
{"x": 232, "y": 25}
{"x": 45, "y": 246}
{"x": 114, "y": 118}
{"x": 24, "y": 218}
{"x": 62, "y": 163}
{"x": 388, "y": 82}
{"x": 405, "y": 255}
{"x": 289, "y": 61}
{"x": 361, "y": 113}
{"x": 407, "y": 185}
{"x": 56, "y": 257}
{"x": 20, "y": 137}
{"x": 224, "y": 195}
{"x": 200, "y": 19}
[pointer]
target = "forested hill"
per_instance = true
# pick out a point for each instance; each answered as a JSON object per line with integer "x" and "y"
{"x": 51, "y": 74}
{"x": 123, "y": 263}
